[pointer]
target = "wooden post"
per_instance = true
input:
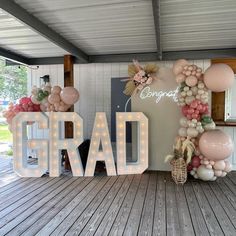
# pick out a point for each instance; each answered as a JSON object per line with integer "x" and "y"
{"x": 68, "y": 81}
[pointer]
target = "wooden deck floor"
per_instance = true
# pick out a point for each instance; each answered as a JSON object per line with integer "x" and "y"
{"x": 148, "y": 204}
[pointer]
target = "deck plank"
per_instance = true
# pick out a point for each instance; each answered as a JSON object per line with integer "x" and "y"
{"x": 121, "y": 218}
{"x": 13, "y": 219}
{"x": 99, "y": 214}
{"x": 223, "y": 200}
{"x": 219, "y": 211}
{"x": 111, "y": 214}
{"x": 146, "y": 223}
{"x": 199, "y": 224}
{"x": 10, "y": 198}
{"x": 183, "y": 212}
{"x": 72, "y": 198}
{"x": 75, "y": 225}
{"x": 147, "y": 204}
{"x": 71, "y": 212}
{"x": 26, "y": 220}
{"x": 13, "y": 209}
{"x": 132, "y": 225}
{"x": 159, "y": 221}
{"x": 172, "y": 217}
{"x": 209, "y": 216}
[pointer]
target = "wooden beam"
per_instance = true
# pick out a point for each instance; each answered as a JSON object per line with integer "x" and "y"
{"x": 68, "y": 82}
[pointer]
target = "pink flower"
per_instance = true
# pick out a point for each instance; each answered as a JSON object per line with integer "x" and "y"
{"x": 149, "y": 80}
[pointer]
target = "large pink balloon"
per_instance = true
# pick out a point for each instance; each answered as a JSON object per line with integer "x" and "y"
{"x": 216, "y": 145}
{"x": 69, "y": 95}
{"x": 219, "y": 77}
{"x": 179, "y": 66}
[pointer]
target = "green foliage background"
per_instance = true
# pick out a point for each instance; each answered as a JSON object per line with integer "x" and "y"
{"x": 13, "y": 81}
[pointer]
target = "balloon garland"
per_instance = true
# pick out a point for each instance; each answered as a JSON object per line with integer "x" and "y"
{"x": 200, "y": 148}
{"x": 45, "y": 99}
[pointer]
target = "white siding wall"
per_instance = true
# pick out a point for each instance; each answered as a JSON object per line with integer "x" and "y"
{"x": 94, "y": 84}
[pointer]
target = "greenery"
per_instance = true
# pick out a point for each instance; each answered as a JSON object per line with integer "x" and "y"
{"x": 5, "y": 134}
{"x": 9, "y": 152}
{"x": 13, "y": 81}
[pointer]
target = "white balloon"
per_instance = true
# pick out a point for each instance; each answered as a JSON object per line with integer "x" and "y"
{"x": 188, "y": 100}
{"x": 192, "y": 132}
{"x": 183, "y": 132}
{"x": 183, "y": 122}
{"x": 204, "y": 173}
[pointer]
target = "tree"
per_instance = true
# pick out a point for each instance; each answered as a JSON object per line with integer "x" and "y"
{"x": 13, "y": 81}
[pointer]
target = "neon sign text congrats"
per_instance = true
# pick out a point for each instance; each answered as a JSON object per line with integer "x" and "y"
{"x": 147, "y": 93}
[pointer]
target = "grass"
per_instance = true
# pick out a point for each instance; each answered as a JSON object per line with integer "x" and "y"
{"x": 5, "y": 134}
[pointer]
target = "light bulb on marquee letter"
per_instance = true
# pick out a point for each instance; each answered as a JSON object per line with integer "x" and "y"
{"x": 20, "y": 143}
{"x": 141, "y": 165}
{"x": 71, "y": 145}
{"x": 101, "y": 136}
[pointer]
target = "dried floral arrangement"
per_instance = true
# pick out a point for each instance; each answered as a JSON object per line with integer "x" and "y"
{"x": 139, "y": 77}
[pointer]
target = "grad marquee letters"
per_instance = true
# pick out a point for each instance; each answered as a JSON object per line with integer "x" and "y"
{"x": 48, "y": 150}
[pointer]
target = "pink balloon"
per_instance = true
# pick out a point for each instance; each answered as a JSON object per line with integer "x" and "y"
{"x": 219, "y": 77}
{"x": 24, "y": 100}
{"x": 228, "y": 166}
{"x": 219, "y": 165}
{"x": 215, "y": 145}
{"x": 54, "y": 98}
{"x": 190, "y": 111}
{"x": 69, "y": 95}
{"x": 56, "y": 89}
{"x": 194, "y": 104}
{"x": 179, "y": 66}
{"x": 191, "y": 81}
{"x": 189, "y": 117}
{"x": 180, "y": 78}
{"x": 196, "y": 161}
{"x": 43, "y": 107}
{"x": 185, "y": 110}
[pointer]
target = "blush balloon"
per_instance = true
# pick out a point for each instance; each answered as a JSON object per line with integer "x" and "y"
{"x": 179, "y": 66}
{"x": 56, "y": 90}
{"x": 69, "y": 95}
{"x": 54, "y": 98}
{"x": 219, "y": 77}
{"x": 216, "y": 145}
{"x": 180, "y": 78}
{"x": 191, "y": 81}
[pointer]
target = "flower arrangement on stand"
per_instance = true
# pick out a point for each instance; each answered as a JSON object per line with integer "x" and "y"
{"x": 208, "y": 146}
{"x": 139, "y": 77}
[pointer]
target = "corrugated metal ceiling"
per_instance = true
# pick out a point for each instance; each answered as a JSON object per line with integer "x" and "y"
{"x": 122, "y": 26}
{"x": 20, "y": 39}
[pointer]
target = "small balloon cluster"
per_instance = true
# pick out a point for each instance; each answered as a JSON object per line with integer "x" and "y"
{"x": 23, "y": 105}
{"x": 211, "y": 146}
{"x": 61, "y": 99}
{"x": 139, "y": 77}
{"x": 45, "y": 99}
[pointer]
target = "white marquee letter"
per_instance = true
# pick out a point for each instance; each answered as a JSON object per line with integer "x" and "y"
{"x": 141, "y": 165}
{"x": 20, "y": 142}
{"x": 100, "y": 136}
{"x": 57, "y": 144}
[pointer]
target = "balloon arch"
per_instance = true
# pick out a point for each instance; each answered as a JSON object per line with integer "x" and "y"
{"x": 200, "y": 148}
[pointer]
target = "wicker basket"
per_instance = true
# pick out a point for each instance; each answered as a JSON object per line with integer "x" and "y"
{"x": 179, "y": 170}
